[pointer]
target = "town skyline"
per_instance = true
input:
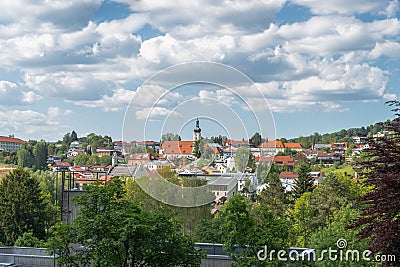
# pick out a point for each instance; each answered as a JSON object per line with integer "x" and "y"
{"x": 321, "y": 66}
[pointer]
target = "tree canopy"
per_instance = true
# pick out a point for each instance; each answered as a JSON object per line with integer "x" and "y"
{"x": 115, "y": 232}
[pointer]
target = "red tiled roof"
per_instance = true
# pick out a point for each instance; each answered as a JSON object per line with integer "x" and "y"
{"x": 11, "y": 140}
{"x": 289, "y": 175}
{"x": 272, "y": 144}
{"x": 293, "y": 145}
{"x": 178, "y": 147}
{"x": 288, "y": 160}
{"x": 61, "y": 164}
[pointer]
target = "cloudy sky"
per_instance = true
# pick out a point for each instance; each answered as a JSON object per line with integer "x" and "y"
{"x": 76, "y": 65}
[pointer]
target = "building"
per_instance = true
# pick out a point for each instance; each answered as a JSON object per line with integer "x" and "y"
{"x": 223, "y": 187}
{"x": 272, "y": 147}
{"x": 294, "y": 146}
{"x": 339, "y": 147}
{"x": 176, "y": 149}
{"x": 10, "y": 143}
{"x": 359, "y": 139}
{"x": 139, "y": 158}
{"x": 197, "y": 131}
{"x": 288, "y": 180}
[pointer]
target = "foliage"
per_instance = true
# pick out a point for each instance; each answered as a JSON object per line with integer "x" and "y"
{"x": 244, "y": 160}
{"x": 274, "y": 195}
{"x": 170, "y": 137}
{"x": 40, "y": 154}
{"x": 81, "y": 160}
{"x": 304, "y": 183}
{"x": 256, "y": 139}
{"x": 251, "y": 228}
{"x": 303, "y": 219}
{"x": 327, "y": 237}
{"x": 219, "y": 139}
{"x": 380, "y": 217}
{"x": 22, "y": 206}
{"x": 25, "y": 158}
{"x": 116, "y": 232}
{"x": 28, "y": 240}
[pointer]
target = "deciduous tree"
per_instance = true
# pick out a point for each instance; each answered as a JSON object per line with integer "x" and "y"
{"x": 22, "y": 206}
{"x": 380, "y": 218}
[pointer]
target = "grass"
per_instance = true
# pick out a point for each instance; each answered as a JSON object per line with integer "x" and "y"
{"x": 344, "y": 169}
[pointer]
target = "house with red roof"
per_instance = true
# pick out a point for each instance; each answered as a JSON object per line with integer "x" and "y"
{"x": 294, "y": 146}
{"x": 10, "y": 143}
{"x": 176, "y": 149}
{"x": 271, "y": 147}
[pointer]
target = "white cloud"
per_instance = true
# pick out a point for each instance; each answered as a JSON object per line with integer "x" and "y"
{"x": 209, "y": 16}
{"x": 155, "y": 113}
{"x": 32, "y": 123}
{"x": 153, "y": 95}
{"x": 168, "y": 50}
{"x": 116, "y": 102}
{"x": 12, "y": 94}
{"x": 344, "y": 7}
{"x": 387, "y": 48}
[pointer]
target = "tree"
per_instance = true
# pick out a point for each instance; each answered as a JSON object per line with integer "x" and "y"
{"x": 242, "y": 158}
{"x": 196, "y": 148}
{"x": 116, "y": 232}
{"x": 28, "y": 240}
{"x": 25, "y": 158}
{"x": 21, "y": 206}
{"x": 73, "y": 136}
{"x": 251, "y": 228}
{"x": 256, "y": 139}
{"x": 81, "y": 160}
{"x": 304, "y": 183}
{"x": 40, "y": 154}
{"x": 106, "y": 160}
{"x": 170, "y": 137}
{"x": 274, "y": 195}
{"x": 327, "y": 237}
{"x": 303, "y": 219}
{"x": 94, "y": 160}
{"x": 380, "y": 217}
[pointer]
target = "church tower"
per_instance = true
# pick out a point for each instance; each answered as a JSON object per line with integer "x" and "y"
{"x": 197, "y": 131}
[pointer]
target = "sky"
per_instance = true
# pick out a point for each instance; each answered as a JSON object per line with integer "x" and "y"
{"x": 91, "y": 66}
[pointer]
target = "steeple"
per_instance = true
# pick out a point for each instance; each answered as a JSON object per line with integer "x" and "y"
{"x": 197, "y": 131}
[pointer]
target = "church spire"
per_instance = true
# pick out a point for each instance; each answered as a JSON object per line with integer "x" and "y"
{"x": 197, "y": 131}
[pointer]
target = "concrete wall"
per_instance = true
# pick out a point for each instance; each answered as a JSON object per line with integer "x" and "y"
{"x": 35, "y": 257}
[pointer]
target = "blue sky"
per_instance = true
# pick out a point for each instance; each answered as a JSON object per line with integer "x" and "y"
{"x": 76, "y": 65}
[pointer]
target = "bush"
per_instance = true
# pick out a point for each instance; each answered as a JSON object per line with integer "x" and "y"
{"x": 28, "y": 240}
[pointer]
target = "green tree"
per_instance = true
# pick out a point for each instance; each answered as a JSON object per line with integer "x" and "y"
{"x": 40, "y": 154}
{"x": 256, "y": 139}
{"x": 170, "y": 137}
{"x": 274, "y": 195}
{"x": 94, "y": 160}
{"x": 196, "y": 148}
{"x": 73, "y": 136}
{"x": 327, "y": 237}
{"x": 244, "y": 159}
{"x": 121, "y": 233}
{"x": 302, "y": 215}
{"x": 304, "y": 183}
{"x": 106, "y": 160}
{"x": 25, "y": 158}
{"x": 81, "y": 160}
{"x": 28, "y": 240}
{"x": 241, "y": 226}
{"x": 22, "y": 206}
